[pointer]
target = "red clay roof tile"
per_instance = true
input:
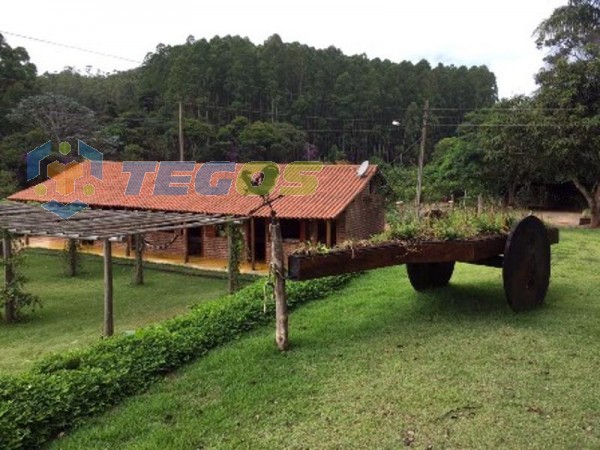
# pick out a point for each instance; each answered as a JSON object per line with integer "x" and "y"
{"x": 337, "y": 187}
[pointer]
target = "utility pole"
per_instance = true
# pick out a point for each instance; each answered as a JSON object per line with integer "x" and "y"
{"x": 421, "y": 158}
{"x": 180, "y": 132}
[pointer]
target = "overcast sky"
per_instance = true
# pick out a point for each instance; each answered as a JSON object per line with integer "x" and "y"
{"x": 497, "y": 33}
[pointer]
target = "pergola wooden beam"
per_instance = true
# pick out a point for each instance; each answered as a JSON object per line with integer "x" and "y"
{"x": 99, "y": 224}
{"x": 106, "y": 225}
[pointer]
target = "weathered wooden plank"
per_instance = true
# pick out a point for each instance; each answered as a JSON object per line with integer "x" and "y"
{"x": 99, "y": 224}
{"x": 305, "y": 267}
{"x": 484, "y": 251}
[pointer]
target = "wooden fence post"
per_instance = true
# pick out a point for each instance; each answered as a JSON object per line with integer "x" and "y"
{"x": 479, "y": 204}
{"x": 9, "y": 306}
{"x": 108, "y": 290}
{"x": 281, "y": 313}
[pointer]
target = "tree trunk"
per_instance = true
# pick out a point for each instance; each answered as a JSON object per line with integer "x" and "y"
{"x": 281, "y": 313}
{"x": 592, "y": 196}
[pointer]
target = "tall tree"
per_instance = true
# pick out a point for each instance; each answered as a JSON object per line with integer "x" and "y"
{"x": 510, "y": 134}
{"x": 17, "y": 79}
{"x": 58, "y": 117}
{"x": 570, "y": 93}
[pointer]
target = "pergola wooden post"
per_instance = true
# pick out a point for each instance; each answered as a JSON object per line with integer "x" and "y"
{"x": 138, "y": 263}
{"x": 108, "y": 290}
{"x": 105, "y": 225}
{"x": 281, "y": 312}
{"x": 186, "y": 246}
{"x": 233, "y": 259}
{"x": 314, "y": 232}
{"x": 72, "y": 258}
{"x": 252, "y": 243}
{"x": 9, "y": 307}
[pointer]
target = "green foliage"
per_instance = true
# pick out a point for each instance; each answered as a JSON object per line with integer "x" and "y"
{"x": 71, "y": 316}
{"x": 17, "y": 80}
{"x": 8, "y": 183}
{"x": 64, "y": 389}
{"x": 400, "y": 182}
{"x": 457, "y": 166}
{"x": 13, "y": 292}
{"x": 460, "y": 223}
{"x": 379, "y": 365}
{"x": 56, "y": 116}
{"x": 570, "y": 95}
{"x": 322, "y": 93}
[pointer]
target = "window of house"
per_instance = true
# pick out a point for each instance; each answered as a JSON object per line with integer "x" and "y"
{"x": 290, "y": 229}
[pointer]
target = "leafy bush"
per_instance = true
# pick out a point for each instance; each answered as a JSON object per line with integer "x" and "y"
{"x": 460, "y": 223}
{"x": 13, "y": 296}
{"x": 63, "y": 389}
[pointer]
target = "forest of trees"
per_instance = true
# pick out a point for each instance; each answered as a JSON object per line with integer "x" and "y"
{"x": 280, "y": 101}
{"x": 287, "y": 101}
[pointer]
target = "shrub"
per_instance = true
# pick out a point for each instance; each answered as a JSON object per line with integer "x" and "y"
{"x": 63, "y": 389}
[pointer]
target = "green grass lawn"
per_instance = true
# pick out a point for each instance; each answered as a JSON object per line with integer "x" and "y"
{"x": 380, "y": 366}
{"x": 72, "y": 311}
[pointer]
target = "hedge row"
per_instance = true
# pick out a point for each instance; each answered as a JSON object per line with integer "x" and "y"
{"x": 63, "y": 389}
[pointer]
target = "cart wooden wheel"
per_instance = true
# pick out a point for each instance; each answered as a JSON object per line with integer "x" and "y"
{"x": 526, "y": 266}
{"x": 425, "y": 276}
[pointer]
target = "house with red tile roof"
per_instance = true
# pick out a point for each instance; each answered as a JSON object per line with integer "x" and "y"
{"x": 345, "y": 204}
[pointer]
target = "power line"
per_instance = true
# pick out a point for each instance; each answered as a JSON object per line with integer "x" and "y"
{"x": 503, "y": 109}
{"x": 72, "y": 47}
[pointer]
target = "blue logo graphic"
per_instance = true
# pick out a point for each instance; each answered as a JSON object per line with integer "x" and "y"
{"x": 65, "y": 184}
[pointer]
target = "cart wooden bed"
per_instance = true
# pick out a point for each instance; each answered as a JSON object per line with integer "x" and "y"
{"x": 523, "y": 255}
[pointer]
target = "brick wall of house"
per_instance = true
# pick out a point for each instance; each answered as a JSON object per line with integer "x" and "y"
{"x": 289, "y": 245}
{"x": 215, "y": 246}
{"x": 364, "y": 217}
{"x": 166, "y": 241}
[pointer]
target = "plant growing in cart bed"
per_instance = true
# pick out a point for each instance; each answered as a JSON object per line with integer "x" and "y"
{"x": 459, "y": 224}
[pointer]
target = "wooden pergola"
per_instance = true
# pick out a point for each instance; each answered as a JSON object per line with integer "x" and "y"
{"x": 106, "y": 225}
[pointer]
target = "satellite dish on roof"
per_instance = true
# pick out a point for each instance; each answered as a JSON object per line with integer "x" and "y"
{"x": 362, "y": 170}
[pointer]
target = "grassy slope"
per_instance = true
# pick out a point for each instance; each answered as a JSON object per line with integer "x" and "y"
{"x": 72, "y": 310}
{"x": 378, "y": 366}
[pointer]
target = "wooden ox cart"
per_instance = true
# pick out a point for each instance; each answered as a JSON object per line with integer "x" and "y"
{"x": 523, "y": 255}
